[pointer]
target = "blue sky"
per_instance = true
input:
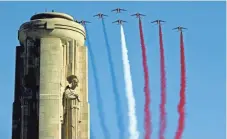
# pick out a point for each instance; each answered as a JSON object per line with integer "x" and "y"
{"x": 204, "y": 50}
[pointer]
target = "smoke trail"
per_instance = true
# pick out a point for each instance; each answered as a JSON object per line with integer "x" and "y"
{"x": 134, "y": 134}
{"x": 115, "y": 90}
{"x": 163, "y": 87}
{"x": 147, "y": 115}
{"x": 97, "y": 89}
{"x": 181, "y": 109}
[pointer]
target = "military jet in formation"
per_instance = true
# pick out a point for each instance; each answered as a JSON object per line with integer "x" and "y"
{"x": 118, "y": 10}
{"x": 138, "y": 15}
{"x": 179, "y": 28}
{"x": 100, "y": 15}
{"x": 82, "y": 22}
{"x": 119, "y": 22}
{"x": 158, "y": 21}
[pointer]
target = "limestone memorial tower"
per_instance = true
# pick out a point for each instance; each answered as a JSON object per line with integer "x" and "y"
{"x": 51, "y": 80}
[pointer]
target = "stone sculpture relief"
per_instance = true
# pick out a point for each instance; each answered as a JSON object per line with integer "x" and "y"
{"x": 71, "y": 105}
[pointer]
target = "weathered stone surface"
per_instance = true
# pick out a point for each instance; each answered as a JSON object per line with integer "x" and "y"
{"x": 58, "y": 42}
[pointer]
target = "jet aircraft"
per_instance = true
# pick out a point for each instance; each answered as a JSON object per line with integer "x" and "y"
{"x": 82, "y": 22}
{"x": 179, "y": 28}
{"x": 158, "y": 21}
{"x": 100, "y": 15}
{"x": 118, "y": 10}
{"x": 119, "y": 22}
{"x": 138, "y": 15}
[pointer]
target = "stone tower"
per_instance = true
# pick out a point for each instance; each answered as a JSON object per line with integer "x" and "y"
{"x": 51, "y": 82}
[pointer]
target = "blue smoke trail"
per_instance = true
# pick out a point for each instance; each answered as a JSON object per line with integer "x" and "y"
{"x": 115, "y": 90}
{"x": 97, "y": 88}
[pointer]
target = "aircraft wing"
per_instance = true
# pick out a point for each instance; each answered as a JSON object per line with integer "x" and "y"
{"x": 175, "y": 28}
{"x": 142, "y": 15}
{"x": 114, "y": 10}
{"x": 154, "y": 21}
{"x": 95, "y": 15}
{"x": 133, "y": 14}
{"x": 124, "y": 21}
{"x": 123, "y": 10}
{"x": 104, "y": 15}
{"x": 115, "y": 21}
{"x": 184, "y": 28}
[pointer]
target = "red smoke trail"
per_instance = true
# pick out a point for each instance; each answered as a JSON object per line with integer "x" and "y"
{"x": 181, "y": 105}
{"x": 163, "y": 88}
{"x": 147, "y": 115}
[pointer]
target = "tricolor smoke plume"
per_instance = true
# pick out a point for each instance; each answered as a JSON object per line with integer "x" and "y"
{"x": 181, "y": 105}
{"x": 147, "y": 118}
{"x": 163, "y": 87}
{"x": 118, "y": 108}
{"x": 133, "y": 132}
{"x": 97, "y": 89}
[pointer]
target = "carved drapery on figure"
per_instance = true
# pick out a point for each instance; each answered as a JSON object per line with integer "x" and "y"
{"x": 71, "y": 109}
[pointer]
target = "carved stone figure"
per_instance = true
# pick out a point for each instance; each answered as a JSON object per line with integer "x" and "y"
{"x": 70, "y": 92}
{"x": 71, "y": 108}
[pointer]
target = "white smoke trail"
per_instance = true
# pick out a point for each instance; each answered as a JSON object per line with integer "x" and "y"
{"x": 134, "y": 134}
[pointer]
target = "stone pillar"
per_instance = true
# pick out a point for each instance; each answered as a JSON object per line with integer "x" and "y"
{"x": 51, "y": 63}
{"x": 82, "y": 74}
